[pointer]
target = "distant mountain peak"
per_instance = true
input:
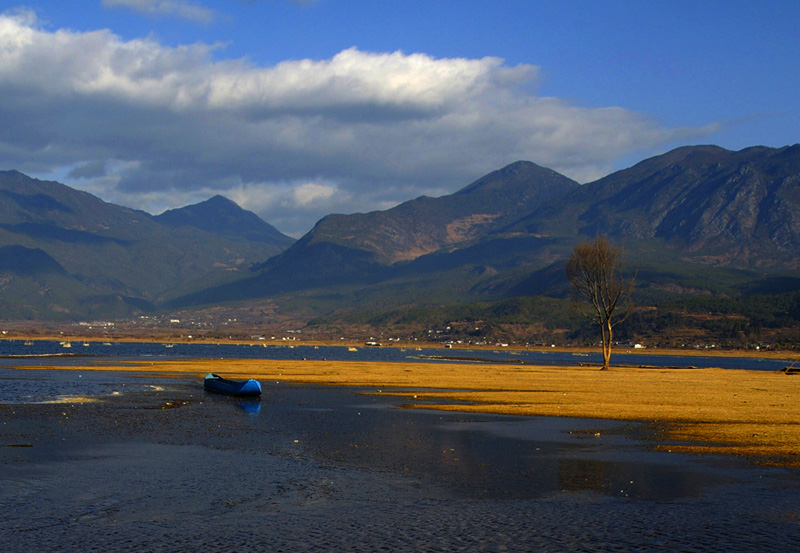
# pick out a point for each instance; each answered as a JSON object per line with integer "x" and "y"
{"x": 418, "y": 227}
{"x": 211, "y": 206}
{"x": 221, "y": 215}
{"x": 521, "y": 173}
{"x": 219, "y": 200}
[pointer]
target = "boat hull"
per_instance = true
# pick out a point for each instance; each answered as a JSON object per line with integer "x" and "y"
{"x": 240, "y": 388}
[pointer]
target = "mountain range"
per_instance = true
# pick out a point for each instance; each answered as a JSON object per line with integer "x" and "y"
{"x": 698, "y": 220}
{"x": 679, "y": 216}
{"x": 66, "y": 254}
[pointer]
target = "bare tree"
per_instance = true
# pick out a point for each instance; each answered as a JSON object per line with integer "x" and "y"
{"x": 599, "y": 287}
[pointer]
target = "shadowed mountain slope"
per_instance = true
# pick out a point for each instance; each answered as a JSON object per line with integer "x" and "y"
{"x": 219, "y": 215}
{"x": 715, "y": 206}
{"x": 105, "y": 250}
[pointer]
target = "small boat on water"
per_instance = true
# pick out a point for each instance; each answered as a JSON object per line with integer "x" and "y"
{"x": 241, "y": 388}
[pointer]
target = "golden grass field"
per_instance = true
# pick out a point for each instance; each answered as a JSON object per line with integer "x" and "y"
{"x": 749, "y": 413}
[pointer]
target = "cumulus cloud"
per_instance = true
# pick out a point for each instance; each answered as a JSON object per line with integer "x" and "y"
{"x": 312, "y": 192}
{"x": 181, "y": 9}
{"x": 155, "y": 127}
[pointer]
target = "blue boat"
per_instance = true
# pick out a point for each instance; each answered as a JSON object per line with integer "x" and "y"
{"x": 240, "y": 388}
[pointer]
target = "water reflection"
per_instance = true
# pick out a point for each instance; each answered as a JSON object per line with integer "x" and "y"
{"x": 488, "y": 456}
{"x": 657, "y": 482}
{"x": 250, "y": 406}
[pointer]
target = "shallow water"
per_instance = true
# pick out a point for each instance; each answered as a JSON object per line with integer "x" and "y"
{"x": 48, "y": 352}
{"x": 162, "y": 466}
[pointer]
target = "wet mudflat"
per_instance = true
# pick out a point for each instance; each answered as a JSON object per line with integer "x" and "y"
{"x": 159, "y": 465}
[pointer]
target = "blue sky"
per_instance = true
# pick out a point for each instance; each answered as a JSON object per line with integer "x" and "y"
{"x": 299, "y": 109}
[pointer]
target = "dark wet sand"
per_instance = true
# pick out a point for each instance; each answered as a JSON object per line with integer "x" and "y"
{"x": 320, "y": 468}
{"x": 712, "y": 410}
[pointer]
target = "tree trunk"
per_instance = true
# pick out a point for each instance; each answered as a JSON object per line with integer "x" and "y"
{"x": 607, "y": 334}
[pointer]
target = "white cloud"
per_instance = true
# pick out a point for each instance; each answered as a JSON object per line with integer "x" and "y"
{"x": 312, "y": 193}
{"x": 291, "y": 205}
{"x": 181, "y": 9}
{"x": 355, "y": 132}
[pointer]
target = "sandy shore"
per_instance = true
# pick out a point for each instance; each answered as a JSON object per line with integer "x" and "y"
{"x": 752, "y": 413}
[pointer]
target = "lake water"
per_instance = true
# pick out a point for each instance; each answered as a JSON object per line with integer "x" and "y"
{"x": 45, "y": 352}
{"x": 157, "y": 464}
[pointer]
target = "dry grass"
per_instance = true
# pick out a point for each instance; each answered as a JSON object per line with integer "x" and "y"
{"x": 752, "y": 413}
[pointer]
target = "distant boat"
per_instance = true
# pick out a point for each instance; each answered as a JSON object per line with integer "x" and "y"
{"x": 241, "y": 388}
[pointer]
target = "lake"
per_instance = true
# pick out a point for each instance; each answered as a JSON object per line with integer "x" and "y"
{"x": 48, "y": 352}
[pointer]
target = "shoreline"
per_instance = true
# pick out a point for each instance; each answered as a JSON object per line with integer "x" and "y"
{"x": 719, "y": 411}
{"x": 788, "y": 355}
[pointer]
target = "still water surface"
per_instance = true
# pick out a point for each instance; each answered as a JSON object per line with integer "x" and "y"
{"x": 45, "y": 352}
